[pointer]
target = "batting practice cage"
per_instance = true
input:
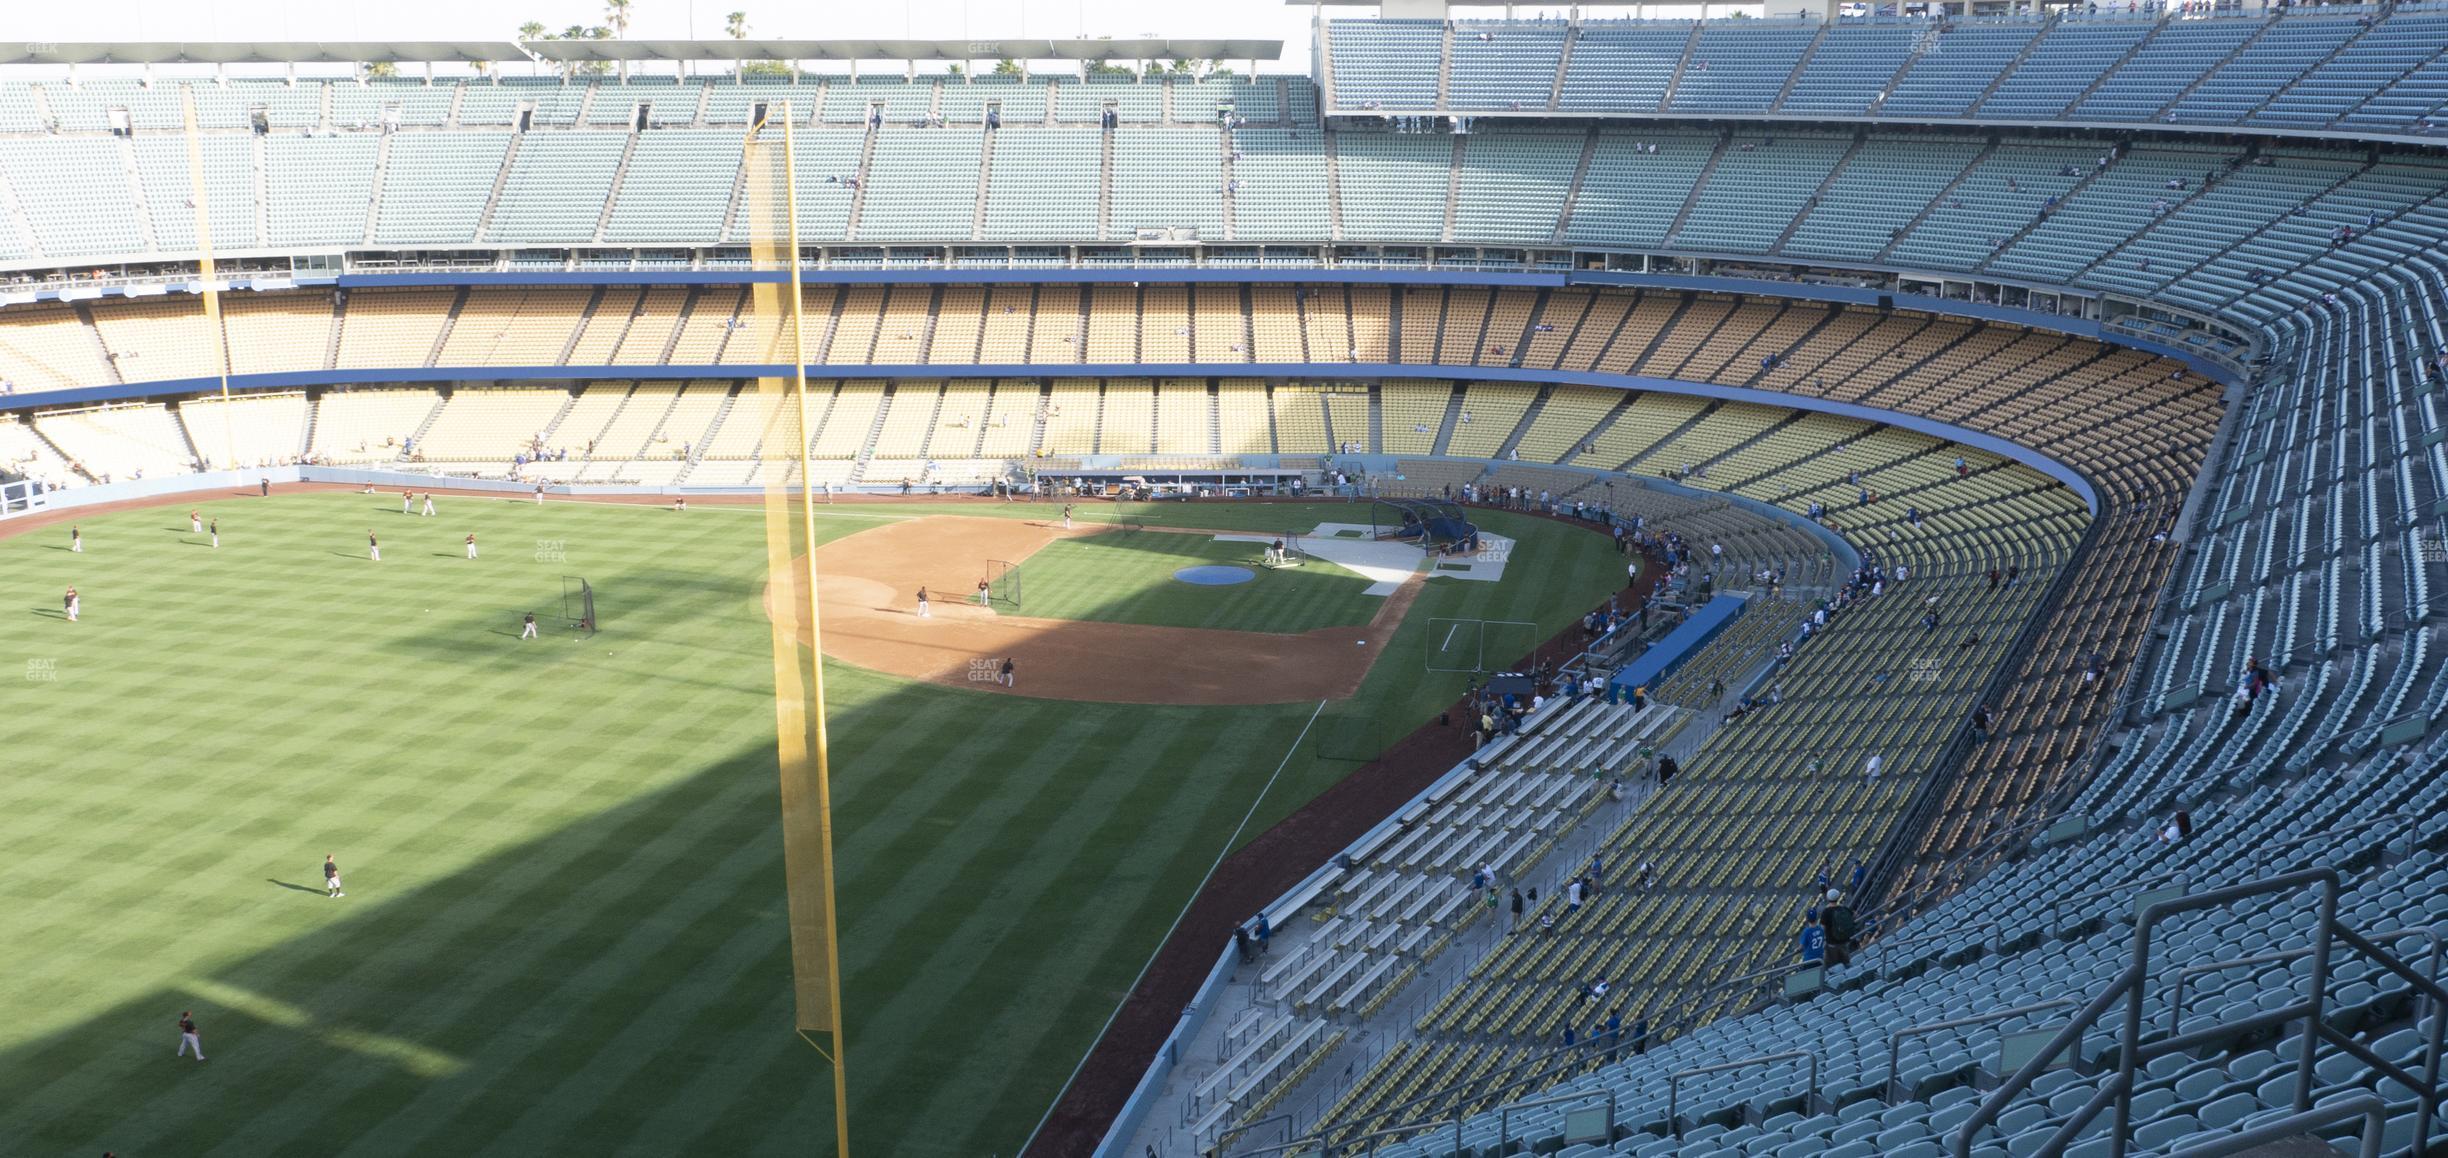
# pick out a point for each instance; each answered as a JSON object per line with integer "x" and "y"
{"x": 578, "y": 603}
{"x": 1003, "y": 584}
{"x": 1436, "y": 525}
{"x": 1291, "y": 554}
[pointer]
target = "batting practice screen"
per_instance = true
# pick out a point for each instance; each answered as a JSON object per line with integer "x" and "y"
{"x": 578, "y": 603}
{"x": 1003, "y": 583}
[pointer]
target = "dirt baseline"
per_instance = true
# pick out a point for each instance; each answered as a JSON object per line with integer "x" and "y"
{"x": 867, "y": 586}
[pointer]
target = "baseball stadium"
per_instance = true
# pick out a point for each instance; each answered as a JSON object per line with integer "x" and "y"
{"x": 1759, "y": 579}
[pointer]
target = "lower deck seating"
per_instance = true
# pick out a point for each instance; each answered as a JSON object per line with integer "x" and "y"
{"x": 2050, "y": 928}
{"x": 1404, "y": 901}
{"x": 118, "y": 443}
{"x": 1782, "y": 798}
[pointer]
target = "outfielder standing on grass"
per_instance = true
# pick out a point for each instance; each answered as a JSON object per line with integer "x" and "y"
{"x": 374, "y": 545}
{"x": 406, "y": 497}
{"x": 429, "y": 502}
{"x": 331, "y": 877}
{"x": 76, "y": 540}
{"x": 195, "y": 523}
{"x": 471, "y": 544}
{"x": 188, "y": 1037}
{"x": 529, "y": 631}
{"x": 216, "y": 534}
{"x": 71, "y": 604}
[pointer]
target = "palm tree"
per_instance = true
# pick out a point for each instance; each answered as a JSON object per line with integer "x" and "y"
{"x": 597, "y": 67}
{"x": 527, "y": 33}
{"x": 617, "y": 11}
{"x": 570, "y": 68}
{"x": 737, "y": 25}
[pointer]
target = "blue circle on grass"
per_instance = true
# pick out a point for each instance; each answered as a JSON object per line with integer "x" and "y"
{"x": 1215, "y": 576}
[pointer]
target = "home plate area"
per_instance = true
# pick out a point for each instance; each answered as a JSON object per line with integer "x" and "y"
{"x": 1387, "y": 562}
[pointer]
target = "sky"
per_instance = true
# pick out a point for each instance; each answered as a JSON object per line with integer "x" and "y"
{"x": 35, "y": 21}
{"x": 388, "y": 20}
{"x": 179, "y": 20}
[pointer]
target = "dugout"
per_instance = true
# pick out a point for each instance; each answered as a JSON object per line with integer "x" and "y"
{"x": 1138, "y": 482}
{"x": 1514, "y": 684}
{"x": 1663, "y": 657}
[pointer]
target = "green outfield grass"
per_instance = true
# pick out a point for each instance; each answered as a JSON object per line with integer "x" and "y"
{"x": 1127, "y": 577}
{"x": 565, "y": 930}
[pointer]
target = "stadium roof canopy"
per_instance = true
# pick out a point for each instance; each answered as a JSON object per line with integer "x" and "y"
{"x": 907, "y": 49}
{"x": 241, "y": 52}
{"x": 469, "y": 51}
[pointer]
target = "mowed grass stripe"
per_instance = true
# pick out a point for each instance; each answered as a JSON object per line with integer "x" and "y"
{"x": 1078, "y": 980}
{"x": 524, "y": 821}
{"x": 740, "y": 1094}
{"x": 606, "y": 899}
{"x": 421, "y": 995}
{"x": 285, "y": 976}
{"x": 747, "y": 1093}
{"x": 630, "y": 1080}
{"x": 601, "y": 914}
{"x": 914, "y": 760}
{"x": 694, "y": 937}
{"x": 1011, "y": 811}
{"x": 1035, "y": 883}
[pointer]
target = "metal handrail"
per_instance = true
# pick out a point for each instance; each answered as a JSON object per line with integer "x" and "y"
{"x": 1674, "y": 1081}
{"x": 1322, "y": 1147}
{"x": 1689, "y": 1018}
{"x": 1538, "y": 1068}
{"x": 2371, "y": 728}
{"x": 2185, "y": 975}
{"x": 1457, "y": 1121}
{"x": 2095, "y": 755}
{"x": 2118, "y": 1089}
{"x": 2430, "y": 990}
{"x": 2133, "y": 1052}
{"x": 1915, "y": 939}
{"x": 1895, "y": 1041}
{"x": 1285, "y": 1118}
{"x": 1948, "y": 767}
{"x": 1983, "y": 853}
{"x": 2368, "y": 1107}
{"x": 1978, "y": 859}
{"x": 2262, "y": 854}
{"x": 1504, "y": 1117}
{"x": 1997, "y": 925}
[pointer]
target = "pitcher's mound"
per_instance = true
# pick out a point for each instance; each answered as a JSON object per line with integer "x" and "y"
{"x": 867, "y": 587}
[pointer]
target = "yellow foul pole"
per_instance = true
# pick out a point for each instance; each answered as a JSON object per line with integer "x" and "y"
{"x": 823, "y": 763}
{"x": 204, "y": 266}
